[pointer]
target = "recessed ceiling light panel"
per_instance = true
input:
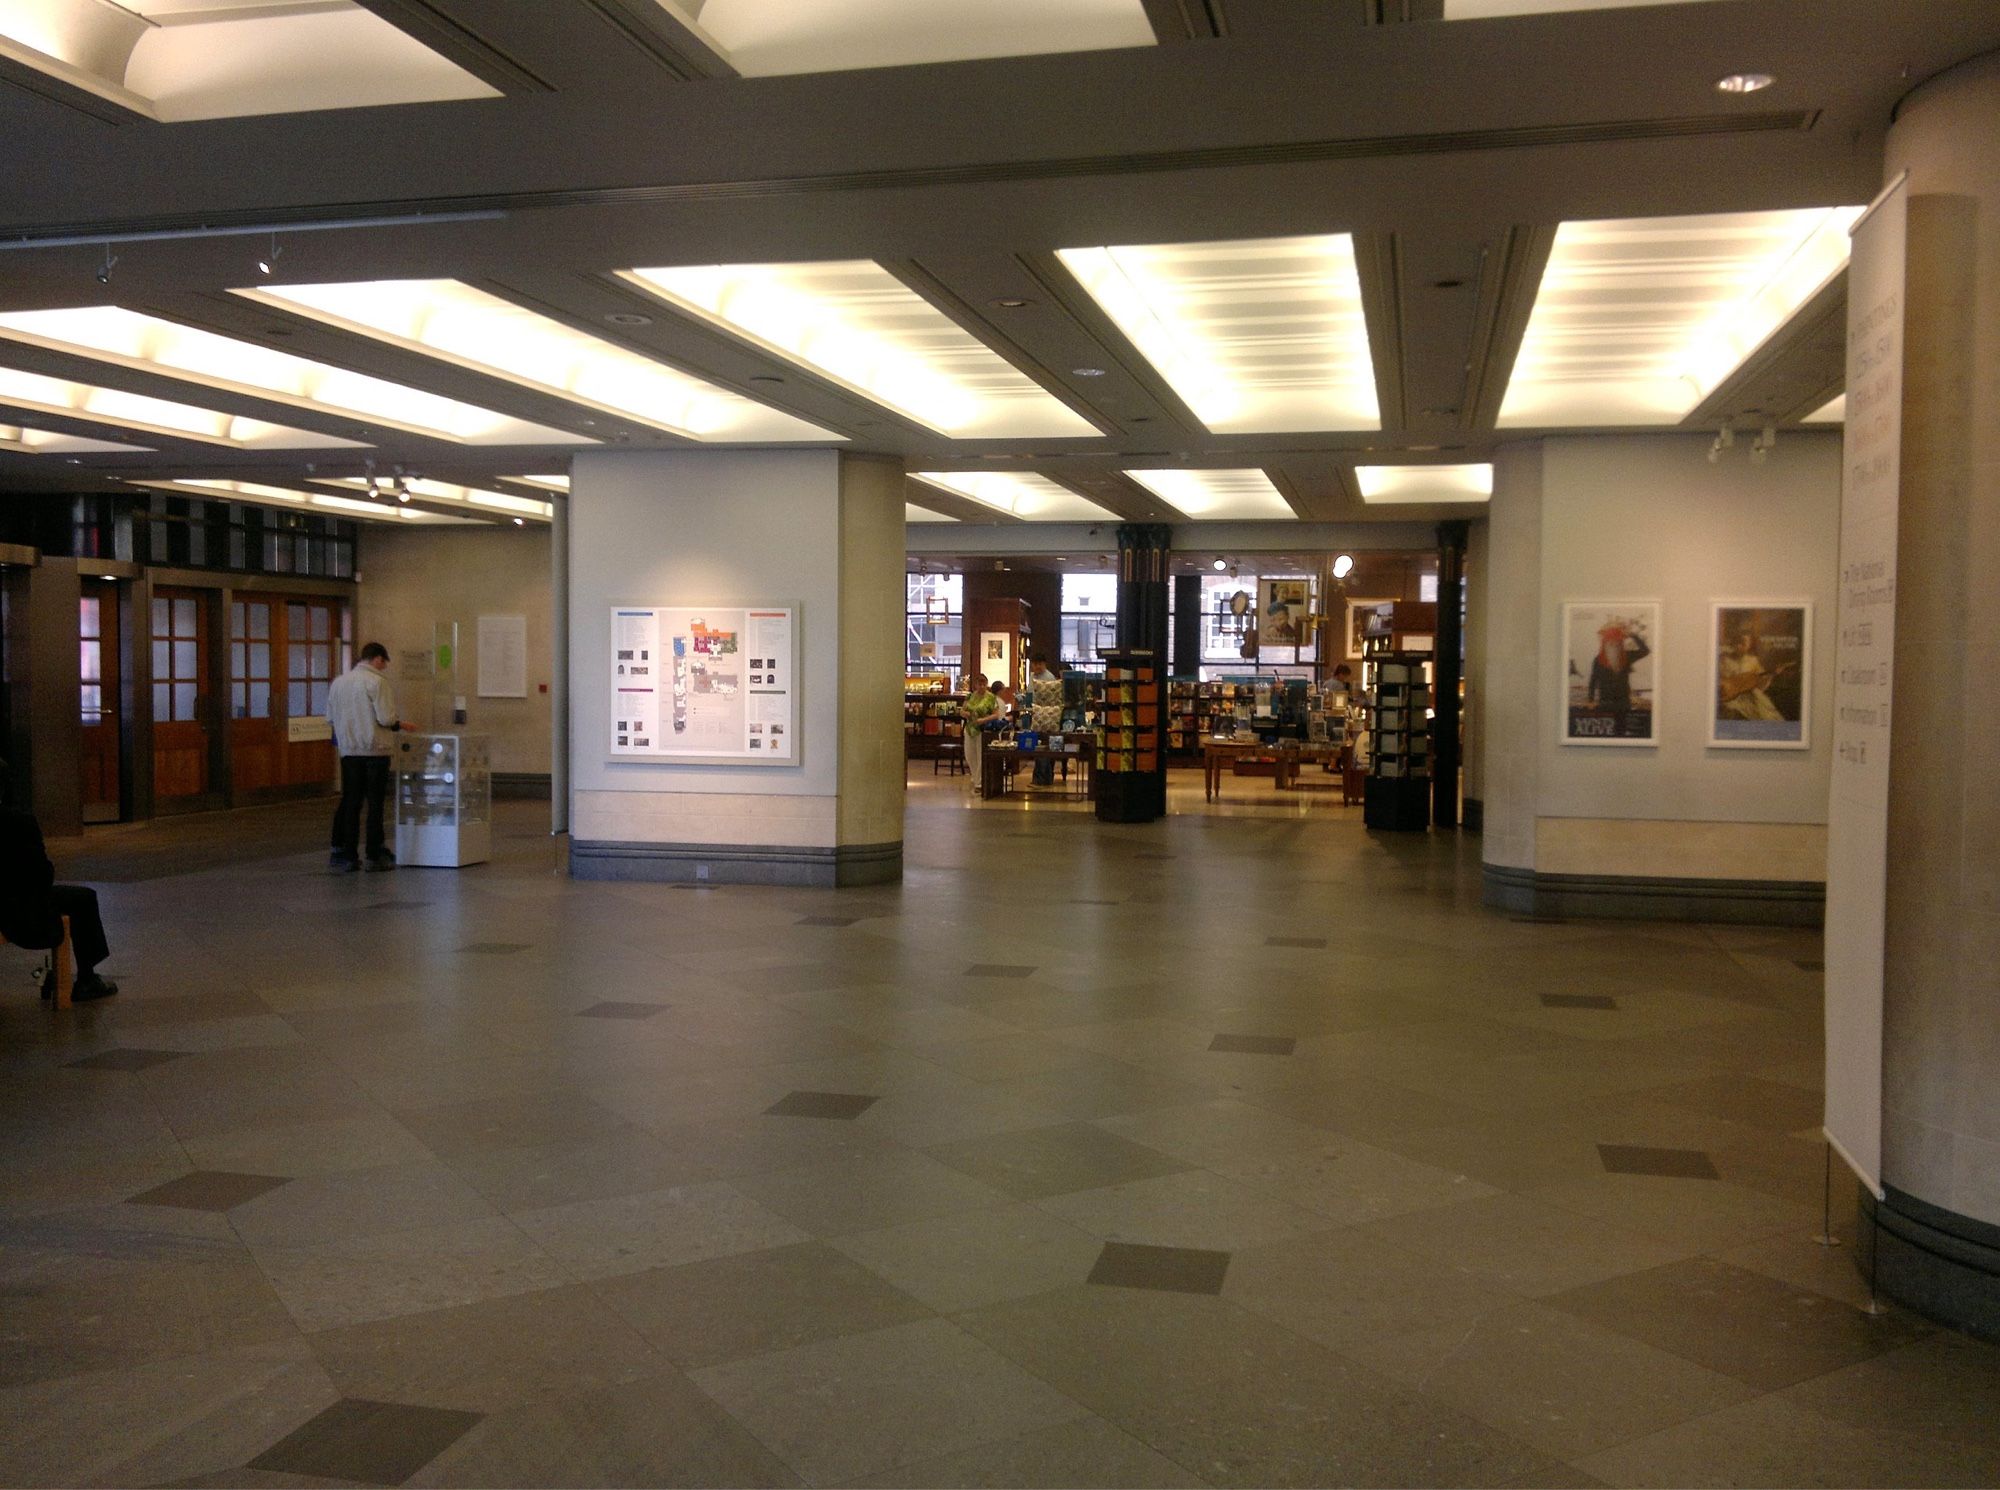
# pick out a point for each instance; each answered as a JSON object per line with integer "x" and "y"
{"x": 855, "y": 324}
{"x": 1833, "y": 411}
{"x": 425, "y": 490}
{"x": 1394, "y": 486}
{"x": 154, "y": 416}
{"x": 260, "y": 495}
{"x": 1024, "y": 494}
{"x": 1235, "y": 496}
{"x": 1744, "y": 82}
{"x": 143, "y": 343}
{"x": 1638, "y": 320}
{"x": 27, "y": 440}
{"x": 469, "y": 328}
{"x": 1257, "y": 336}
{"x": 912, "y": 513}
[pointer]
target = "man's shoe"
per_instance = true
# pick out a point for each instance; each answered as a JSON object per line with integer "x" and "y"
{"x": 382, "y": 862}
{"x": 342, "y": 864}
{"x": 91, "y": 987}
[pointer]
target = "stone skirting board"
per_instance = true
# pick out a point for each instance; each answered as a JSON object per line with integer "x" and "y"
{"x": 1638, "y": 898}
{"x": 738, "y": 863}
{"x": 1939, "y": 1263}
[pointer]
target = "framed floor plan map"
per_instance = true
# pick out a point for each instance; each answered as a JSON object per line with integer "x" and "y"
{"x": 705, "y": 684}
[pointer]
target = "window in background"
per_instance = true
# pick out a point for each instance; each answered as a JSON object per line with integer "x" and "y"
{"x": 934, "y": 622}
{"x": 1089, "y": 619}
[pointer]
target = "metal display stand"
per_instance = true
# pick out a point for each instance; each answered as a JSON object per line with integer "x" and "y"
{"x": 444, "y": 801}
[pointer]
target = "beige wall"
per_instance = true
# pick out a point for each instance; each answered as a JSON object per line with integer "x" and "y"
{"x": 412, "y": 578}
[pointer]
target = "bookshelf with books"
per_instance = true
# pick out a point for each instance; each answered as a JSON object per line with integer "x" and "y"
{"x": 1398, "y": 789}
{"x": 1132, "y": 774}
{"x": 931, "y": 725}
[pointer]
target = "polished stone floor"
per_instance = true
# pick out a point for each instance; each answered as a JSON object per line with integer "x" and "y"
{"x": 1236, "y": 1149}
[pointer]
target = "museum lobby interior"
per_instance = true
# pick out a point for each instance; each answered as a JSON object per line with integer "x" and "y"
{"x": 773, "y": 1110}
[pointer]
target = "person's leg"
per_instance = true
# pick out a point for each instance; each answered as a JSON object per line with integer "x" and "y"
{"x": 86, "y": 940}
{"x": 347, "y": 816}
{"x": 377, "y": 767}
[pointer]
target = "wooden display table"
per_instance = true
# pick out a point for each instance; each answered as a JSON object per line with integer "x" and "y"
{"x": 1000, "y": 763}
{"x": 1218, "y": 751}
{"x": 1292, "y": 756}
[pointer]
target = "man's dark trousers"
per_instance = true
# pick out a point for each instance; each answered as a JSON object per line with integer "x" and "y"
{"x": 364, "y": 779}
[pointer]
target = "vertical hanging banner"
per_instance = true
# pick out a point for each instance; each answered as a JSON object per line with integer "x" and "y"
{"x": 1858, "y": 808}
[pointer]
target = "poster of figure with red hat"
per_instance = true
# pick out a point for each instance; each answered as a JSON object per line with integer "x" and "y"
{"x": 1611, "y": 693}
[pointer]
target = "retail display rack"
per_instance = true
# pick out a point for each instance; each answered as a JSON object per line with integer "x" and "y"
{"x": 932, "y": 727}
{"x": 1132, "y": 775}
{"x": 1398, "y": 791}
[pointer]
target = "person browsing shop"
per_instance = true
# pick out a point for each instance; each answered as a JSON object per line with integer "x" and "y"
{"x": 1045, "y": 698}
{"x": 980, "y": 705}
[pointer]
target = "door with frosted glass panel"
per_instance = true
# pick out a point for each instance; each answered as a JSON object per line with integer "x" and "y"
{"x": 181, "y": 698}
{"x": 315, "y": 653}
{"x": 256, "y": 724}
{"x": 100, "y": 757}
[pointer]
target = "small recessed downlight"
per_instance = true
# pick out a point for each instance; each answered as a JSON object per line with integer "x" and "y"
{"x": 628, "y": 318}
{"x": 1012, "y": 304}
{"x": 1088, "y": 372}
{"x": 1744, "y": 82}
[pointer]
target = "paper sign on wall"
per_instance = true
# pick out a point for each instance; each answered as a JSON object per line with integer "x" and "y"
{"x": 503, "y": 657}
{"x": 715, "y": 685}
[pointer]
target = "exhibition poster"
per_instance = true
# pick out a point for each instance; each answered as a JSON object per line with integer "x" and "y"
{"x": 1760, "y": 674}
{"x": 1611, "y": 694}
{"x": 1282, "y": 612}
{"x": 704, "y": 684}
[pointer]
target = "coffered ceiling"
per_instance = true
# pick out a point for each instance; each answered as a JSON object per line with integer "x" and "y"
{"x": 1094, "y": 244}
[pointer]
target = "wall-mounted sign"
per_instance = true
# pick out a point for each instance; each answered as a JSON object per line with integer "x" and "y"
{"x": 1611, "y": 691}
{"x": 302, "y": 727}
{"x": 706, "y": 684}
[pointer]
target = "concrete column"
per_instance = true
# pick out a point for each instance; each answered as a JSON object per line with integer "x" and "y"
{"x": 1939, "y": 1229}
{"x": 1474, "y": 722}
{"x": 1509, "y": 740}
{"x": 816, "y": 529}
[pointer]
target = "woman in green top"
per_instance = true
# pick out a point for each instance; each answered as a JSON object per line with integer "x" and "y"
{"x": 979, "y": 706}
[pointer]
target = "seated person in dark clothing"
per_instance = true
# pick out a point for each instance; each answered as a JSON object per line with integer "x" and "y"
{"x": 32, "y": 904}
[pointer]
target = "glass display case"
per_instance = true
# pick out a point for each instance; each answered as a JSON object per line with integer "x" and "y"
{"x": 444, "y": 800}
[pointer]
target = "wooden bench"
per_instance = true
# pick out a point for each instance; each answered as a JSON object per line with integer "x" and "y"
{"x": 61, "y": 976}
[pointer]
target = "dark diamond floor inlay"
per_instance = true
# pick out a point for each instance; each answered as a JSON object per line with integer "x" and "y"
{"x": 826, "y": 920}
{"x": 821, "y": 1105}
{"x": 1578, "y": 1001}
{"x": 1315, "y": 943}
{"x": 495, "y": 947}
{"x": 1168, "y": 1269}
{"x": 125, "y": 1059}
{"x": 1680, "y": 1164}
{"x": 613, "y": 1009}
{"x": 209, "y": 1190}
{"x": 997, "y": 970}
{"x": 1254, "y": 1044}
{"x": 371, "y": 1443}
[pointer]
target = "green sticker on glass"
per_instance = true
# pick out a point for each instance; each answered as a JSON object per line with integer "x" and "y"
{"x": 444, "y": 657}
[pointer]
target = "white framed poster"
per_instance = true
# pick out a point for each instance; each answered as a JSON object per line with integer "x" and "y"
{"x": 705, "y": 684}
{"x": 1611, "y": 693}
{"x": 996, "y": 657}
{"x": 503, "y": 657}
{"x": 1760, "y": 674}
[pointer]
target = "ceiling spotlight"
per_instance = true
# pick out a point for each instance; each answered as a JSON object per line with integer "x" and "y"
{"x": 1088, "y": 372}
{"x": 1744, "y": 82}
{"x": 1219, "y": 565}
{"x": 1765, "y": 444}
{"x": 628, "y": 318}
{"x": 765, "y": 378}
{"x": 269, "y": 261}
{"x": 520, "y": 522}
{"x": 104, "y": 269}
{"x": 1343, "y": 566}
{"x": 1012, "y": 304}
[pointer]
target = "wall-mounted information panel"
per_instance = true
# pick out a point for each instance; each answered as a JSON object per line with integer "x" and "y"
{"x": 705, "y": 684}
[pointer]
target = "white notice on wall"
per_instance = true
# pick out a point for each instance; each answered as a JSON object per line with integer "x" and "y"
{"x": 707, "y": 684}
{"x": 503, "y": 656}
{"x": 1858, "y": 806}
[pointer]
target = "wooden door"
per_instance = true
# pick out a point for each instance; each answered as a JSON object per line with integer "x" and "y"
{"x": 315, "y": 653}
{"x": 100, "y": 758}
{"x": 181, "y": 701}
{"x": 256, "y": 729}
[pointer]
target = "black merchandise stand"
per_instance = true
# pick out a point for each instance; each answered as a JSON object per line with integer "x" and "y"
{"x": 1397, "y": 794}
{"x": 1132, "y": 765}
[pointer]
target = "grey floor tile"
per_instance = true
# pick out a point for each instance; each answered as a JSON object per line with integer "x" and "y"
{"x": 972, "y": 1258}
{"x": 1679, "y": 1164}
{"x": 454, "y": 1130}
{"x": 1578, "y": 1001}
{"x": 371, "y": 1141}
{"x": 349, "y": 1203}
{"x": 864, "y": 1194}
{"x": 615, "y": 1009}
{"x": 490, "y": 1355}
{"x": 131, "y": 1058}
{"x": 1035, "y": 1162}
{"x": 1525, "y": 1246}
{"x": 373, "y": 1443}
{"x": 661, "y": 1430}
{"x": 1254, "y": 1044}
{"x": 1700, "y": 1215}
{"x": 621, "y": 1162}
{"x": 1191, "y": 1209}
{"x": 1350, "y": 1182}
{"x": 999, "y": 970}
{"x": 1166, "y": 1269}
{"x": 1308, "y": 943}
{"x": 657, "y": 1228}
{"x": 1764, "y": 1333}
{"x": 1217, "y": 1133}
{"x": 844, "y": 1408}
{"x": 706, "y": 1313}
{"x": 835, "y": 1105}
{"x": 1083, "y": 1452}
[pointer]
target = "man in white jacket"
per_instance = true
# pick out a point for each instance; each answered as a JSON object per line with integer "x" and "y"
{"x": 361, "y": 706}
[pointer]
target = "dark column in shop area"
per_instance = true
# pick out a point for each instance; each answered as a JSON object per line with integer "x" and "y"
{"x": 1187, "y": 626}
{"x": 1452, "y": 538}
{"x": 1142, "y": 587}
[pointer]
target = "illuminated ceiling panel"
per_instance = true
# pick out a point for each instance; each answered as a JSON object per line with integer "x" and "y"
{"x": 173, "y": 60}
{"x": 1423, "y": 485}
{"x": 469, "y": 328}
{"x": 1255, "y": 336}
{"x": 764, "y": 38}
{"x": 915, "y": 514}
{"x": 155, "y": 416}
{"x": 1235, "y": 496}
{"x": 1021, "y": 493}
{"x": 280, "y": 496}
{"x": 855, "y": 324}
{"x": 1638, "y": 320}
{"x": 1833, "y": 411}
{"x": 28, "y": 440}
{"x": 444, "y": 491}
{"x": 143, "y": 343}
{"x": 541, "y": 483}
